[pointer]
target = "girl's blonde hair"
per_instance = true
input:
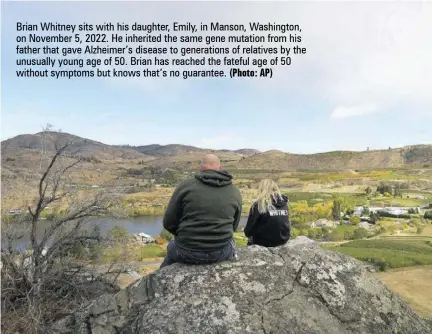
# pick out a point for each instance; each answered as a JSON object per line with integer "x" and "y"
{"x": 267, "y": 191}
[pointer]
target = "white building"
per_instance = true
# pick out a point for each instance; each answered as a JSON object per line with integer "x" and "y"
{"x": 358, "y": 211}
{"x": 325, "y": 223}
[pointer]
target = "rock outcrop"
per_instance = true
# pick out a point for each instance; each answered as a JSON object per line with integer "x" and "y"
{"x": 297, "y": 288}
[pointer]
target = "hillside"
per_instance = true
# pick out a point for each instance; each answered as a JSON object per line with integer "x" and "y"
{"x": 166, "y": 150}
{"x": 29, "y": 143}
{"x": 21, "y": 158}
{"x": 247, "y": 151}
{"x": 157, "y": 150}
{"x": 136, "y": 168}
{"x": 418, "y": 155}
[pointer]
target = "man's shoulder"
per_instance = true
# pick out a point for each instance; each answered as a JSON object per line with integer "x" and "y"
{"x": 186, "y": 183}
{"x": 236, "y": 191}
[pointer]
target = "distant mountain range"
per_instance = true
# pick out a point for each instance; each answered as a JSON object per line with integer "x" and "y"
{"x": 20, "y": 151}
{"x": 157, "y": 150}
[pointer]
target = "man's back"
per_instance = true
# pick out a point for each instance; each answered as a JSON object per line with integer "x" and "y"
{"x": 204, "y": 211}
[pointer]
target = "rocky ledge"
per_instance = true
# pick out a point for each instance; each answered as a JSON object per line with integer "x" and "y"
{"x": 297, "y": 288}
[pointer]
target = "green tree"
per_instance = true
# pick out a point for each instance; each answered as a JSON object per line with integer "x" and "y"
{"x": 373, "y": 217}
{"x": 325, "y": 232}
{"x": 366, "y": 211}
{"x": 368, "y": 190}
{"x": 384, "y": 188}
{"x": 397, "y": 191}
{"x": 336, "y": 210}
{"x": 117, "y": 233}
{"x": 360, "y": 233}
{"x": 337, "y": 235}
{"x": 354, "y": 220}
{"x": 312, "y": 233}
{"x": 348, "y": 235}
{"x": 294, "y": 232}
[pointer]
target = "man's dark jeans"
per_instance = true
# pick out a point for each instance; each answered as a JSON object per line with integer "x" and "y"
{"x": 178, "y": 254}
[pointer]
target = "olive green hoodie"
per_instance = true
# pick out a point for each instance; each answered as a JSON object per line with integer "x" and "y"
{"x": 204, "y": 211}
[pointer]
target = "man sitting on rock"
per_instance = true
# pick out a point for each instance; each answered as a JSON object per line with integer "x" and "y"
{"x": 202, "y": 214}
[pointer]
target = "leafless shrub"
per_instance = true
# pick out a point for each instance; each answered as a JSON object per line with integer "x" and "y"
{"x": 54, "y": 277}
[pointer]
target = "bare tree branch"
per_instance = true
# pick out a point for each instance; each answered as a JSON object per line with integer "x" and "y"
{"x": 51, "y": 277}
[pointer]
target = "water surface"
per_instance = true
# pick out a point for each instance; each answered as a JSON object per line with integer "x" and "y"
{"x": 151, "y": 225}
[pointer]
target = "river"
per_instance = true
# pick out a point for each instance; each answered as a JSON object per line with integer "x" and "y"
{"x": 151, "y": 225}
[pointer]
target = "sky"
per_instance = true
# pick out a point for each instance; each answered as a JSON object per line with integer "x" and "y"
{"x": 365, "y": 80}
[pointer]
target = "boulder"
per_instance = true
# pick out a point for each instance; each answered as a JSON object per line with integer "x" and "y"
{"x": 296, "y": 288}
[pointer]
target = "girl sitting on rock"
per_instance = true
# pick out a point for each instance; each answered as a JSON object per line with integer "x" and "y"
{"x": 268, "y": 224}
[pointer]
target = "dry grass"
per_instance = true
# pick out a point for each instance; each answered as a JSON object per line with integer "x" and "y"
{"x": 148, "y": 269}
{"x": 133, "y": 252}
{"x": 125, "y": 280}
{"x": 410, "y": 233}
{"x": 414, "y": 285}
{"x": 331, "y": 188}
{"x": 427, "y": 231}
{"x": 334, "y": 243}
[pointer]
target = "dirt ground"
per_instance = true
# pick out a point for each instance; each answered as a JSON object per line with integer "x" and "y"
{"x": 414, "y": 285}
{"x": 148, "y": 267}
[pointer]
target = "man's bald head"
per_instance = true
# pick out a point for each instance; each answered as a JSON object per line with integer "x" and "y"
{"x": 210, "y": 161}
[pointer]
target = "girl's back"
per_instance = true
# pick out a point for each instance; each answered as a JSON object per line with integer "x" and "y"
{"x": 268, "y": 222}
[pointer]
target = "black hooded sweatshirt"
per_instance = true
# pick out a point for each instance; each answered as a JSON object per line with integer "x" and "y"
{"x": 204, "y": 211}
{"x": 272, "y": 228}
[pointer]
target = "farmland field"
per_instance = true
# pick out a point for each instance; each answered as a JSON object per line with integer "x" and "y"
{"x": 388, "y": 254}
{"x": 413, "y": 284}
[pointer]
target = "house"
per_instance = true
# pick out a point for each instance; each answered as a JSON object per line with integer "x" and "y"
{"x": 396, "y": 211}
{"x": 358, "y": 211}
{"x": 145, "y": 238}
{"x": 15, "y": 212}
{"x": 325, "y": 223}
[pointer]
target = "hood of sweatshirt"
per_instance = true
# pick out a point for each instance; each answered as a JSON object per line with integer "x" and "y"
{"x": 215, "y": 178}
{"x": 280, "y": 202}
